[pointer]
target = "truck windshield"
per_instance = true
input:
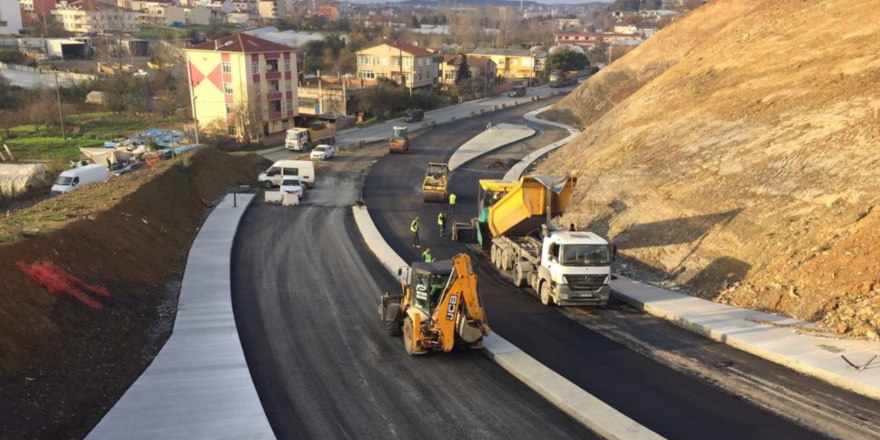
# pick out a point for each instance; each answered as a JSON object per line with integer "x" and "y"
{"x": 64, "y": 180}
{"x": 293, "y": 135}
{"x": 585, "y": 255}
{"x": 427, "y": 291}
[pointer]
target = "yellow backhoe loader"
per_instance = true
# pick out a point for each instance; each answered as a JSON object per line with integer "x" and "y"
{"x": 438, "y": 307}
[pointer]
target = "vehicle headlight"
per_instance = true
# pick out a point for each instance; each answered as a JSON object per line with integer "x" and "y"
{"x": 562, "y": 280}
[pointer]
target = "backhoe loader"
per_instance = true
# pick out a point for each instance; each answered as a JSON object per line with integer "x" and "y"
{"x": 438, "y": 307}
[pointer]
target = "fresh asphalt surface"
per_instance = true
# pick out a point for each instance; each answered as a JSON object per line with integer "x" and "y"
{"x": 670, "y": 403}
{"x": 305, "y": 291}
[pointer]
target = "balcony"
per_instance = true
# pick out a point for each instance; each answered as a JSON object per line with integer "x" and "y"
{"x": 275, "y": 115}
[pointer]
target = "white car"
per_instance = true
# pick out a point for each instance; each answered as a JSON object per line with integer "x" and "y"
{"x": 292, "y": 185}
{"x": 322, "y": 152}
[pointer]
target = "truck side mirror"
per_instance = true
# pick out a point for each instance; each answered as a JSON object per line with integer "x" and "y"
{"x": 613, "y": 252}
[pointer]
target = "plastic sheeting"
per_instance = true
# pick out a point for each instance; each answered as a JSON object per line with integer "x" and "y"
{"x": 19, "y": 179}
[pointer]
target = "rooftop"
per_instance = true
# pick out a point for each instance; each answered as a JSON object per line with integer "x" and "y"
{"x": 409, "y": 48}
{"x": 241, "y": 43}
{"x": 503, "y": 52}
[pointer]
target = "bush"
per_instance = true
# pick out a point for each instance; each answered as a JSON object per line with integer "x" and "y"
{"x": 12, "y": 57}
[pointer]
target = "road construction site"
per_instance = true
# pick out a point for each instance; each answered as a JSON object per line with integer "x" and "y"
{"x": 305, "y": 286}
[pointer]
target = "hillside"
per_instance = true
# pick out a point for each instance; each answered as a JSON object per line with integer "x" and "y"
{"x": 747, "y": 169}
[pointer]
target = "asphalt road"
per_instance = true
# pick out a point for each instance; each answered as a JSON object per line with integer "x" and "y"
{"x": 664, "y": 400}
{"x": 305, "y": 292}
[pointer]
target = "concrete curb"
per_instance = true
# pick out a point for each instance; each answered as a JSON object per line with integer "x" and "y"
{"x": 517, "y": 170}
{"x": 764, "y": 335}
{"x": 580, "y": 405}
{"x": 199, "y": 385}
{"x": 468, "y": 151}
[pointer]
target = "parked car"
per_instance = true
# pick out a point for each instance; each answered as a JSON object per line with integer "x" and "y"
{"x": 292, "y": 185}
{"x": 517, "y": 91}
{"x": 414, "y": 115}
{"x": 322, "y": 152}
{"x": 72, "y": 179}
{"x": 304, "y": 169}
{"x": 129, "y": 168}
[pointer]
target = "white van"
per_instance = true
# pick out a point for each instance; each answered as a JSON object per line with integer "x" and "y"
{"x": 304, "y": 169}
{"x": 72, "y": 179}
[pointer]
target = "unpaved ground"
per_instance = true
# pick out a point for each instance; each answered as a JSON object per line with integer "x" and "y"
{"x": 62, "y": 363}
{"x": 747, "y": 170}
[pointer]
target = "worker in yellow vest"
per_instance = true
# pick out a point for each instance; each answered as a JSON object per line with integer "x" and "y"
{"x": 452, "y": 198}
{"x": 441, "y": 222}
{"x": 414, "y": 228}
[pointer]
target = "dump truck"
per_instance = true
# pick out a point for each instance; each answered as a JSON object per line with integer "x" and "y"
{"x": 559, "y": 78}
{"x": 438, "y": 307}
{"x": 399, "y": 141}
{"x": 436, "y": 182}
{"x": 514, "y": 227}
{"x": 304, "y": 138}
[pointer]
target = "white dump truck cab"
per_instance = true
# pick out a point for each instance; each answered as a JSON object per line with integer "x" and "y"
{"x": 297, "y": 139}
{"x": 575, "y": 268}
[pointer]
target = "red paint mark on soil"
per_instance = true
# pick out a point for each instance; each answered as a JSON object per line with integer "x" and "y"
{"x": 57, "y": 281}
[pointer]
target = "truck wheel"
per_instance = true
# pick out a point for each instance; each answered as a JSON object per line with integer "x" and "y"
{"x": 505, "y": 261}
{"x": 545, "y": 294}
{"x": 393, "y": 328}
{"x": 408, "y": 336}
{"x": 518, "y": 276}
{"x": 493, "y": 255}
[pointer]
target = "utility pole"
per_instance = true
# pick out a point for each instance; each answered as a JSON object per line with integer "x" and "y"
{"x": 610, "y": 49}
{"x": 192, "y": 95}
{"x": 60, "y": 113}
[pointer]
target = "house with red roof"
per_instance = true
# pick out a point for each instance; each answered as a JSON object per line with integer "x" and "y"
{"x": 243, "y": 83}
{"x": 413, "y": 66}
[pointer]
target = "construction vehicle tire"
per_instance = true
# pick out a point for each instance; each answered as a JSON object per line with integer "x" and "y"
{"x": 506, "y": 262}
{"x": 545, "y": 294}
{"x": 519, "y": 277}
{"x": 493, "y": 255}
{"x": 393, "y": 329}
{"x": 408, "y": 336}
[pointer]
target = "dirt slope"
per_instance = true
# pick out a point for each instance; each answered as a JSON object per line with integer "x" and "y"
{"x": 63, "y": 363}
{"x": 626, "y": 75}
{"x": 749, "y": 169}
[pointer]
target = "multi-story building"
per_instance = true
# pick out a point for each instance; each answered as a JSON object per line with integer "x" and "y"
{"x": 414, "y": 67}
{"x": 272, "y": 9}
{"x": 509, "y": 63}
{"x": 10, "y": 17}
{"x": 31, "y": 9}
{"x": 593, "y": 39}
{"x": 81, "y": 16}
{"x": 478, "y": 66}
{"x": 243, "y": 82}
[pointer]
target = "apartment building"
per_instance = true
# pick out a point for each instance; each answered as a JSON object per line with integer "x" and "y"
{"x": 478, "y": 65}
{"x": 10, "y": 17}
{"x": 244, "y": 82}
{"x": 31, "y": 9}
{"x": 509, "y": 63}
{"x": 594, "y": 39}
{"x": 413, "y": 66}
{"x": 272, "y": 9}
{"x": 81, "y": 16}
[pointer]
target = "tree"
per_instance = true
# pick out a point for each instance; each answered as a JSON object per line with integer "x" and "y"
{"x": 12, "y": 57}
{"x": 414, "y": 23}
{"x": 464, "y": 71}
{"x": 567, "y": 60}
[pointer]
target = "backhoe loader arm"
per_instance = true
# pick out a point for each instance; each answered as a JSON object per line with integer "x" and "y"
{"x": 462, "y": 286}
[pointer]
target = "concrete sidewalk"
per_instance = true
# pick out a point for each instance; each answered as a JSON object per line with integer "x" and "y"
{"x": 515, "y": 172}
{"x": 784, "y": 341}
{"x": 199, "y": 386}
{"x": 490, "y": 140}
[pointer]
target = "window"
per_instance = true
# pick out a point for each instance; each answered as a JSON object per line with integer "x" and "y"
{"x": 381, "y": 61}
{"x": 420, "y": 76}
{"x": 307, "y": 102}
{"x": 228, "y": 109}
{"x": 228, "y": 88}
{"x": 230, "y": 130}
{"x": 450, "y": 74}
{"x": 227, "y": 67}
{"x": 273, "y": 86}
{"x": 290, "y": 105}
{"x": 288, "y": 85}
{"x": 407, "y": 61}
{"x": 365, "y": 60}
{"x": 367, "y": 74}
{"x": 255, "y": 68}
{"x": 287, "y": 65}
{"x": 271, "y": 66}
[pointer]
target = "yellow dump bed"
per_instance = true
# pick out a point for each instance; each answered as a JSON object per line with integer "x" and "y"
{"x": 522, "y": 207}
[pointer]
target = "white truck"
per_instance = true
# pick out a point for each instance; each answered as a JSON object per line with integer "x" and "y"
{"x": 274, "y": 176}
{"x": 564, "y": 267}
{"x": 72, "y": 179}
{"x": 303, "y": 139}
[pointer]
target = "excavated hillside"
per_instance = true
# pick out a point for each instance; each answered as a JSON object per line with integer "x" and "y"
{"x": 90, "y": 286}
{"x": 748, "y": 170}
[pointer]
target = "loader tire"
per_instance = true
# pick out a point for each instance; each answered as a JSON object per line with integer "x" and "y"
{"x": 408, "y": 336}
{"x": 393, "y": 328}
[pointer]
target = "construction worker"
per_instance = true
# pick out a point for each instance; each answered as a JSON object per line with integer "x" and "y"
{"x": 414, "y": 228}
{"x": 426, "y": 256}
{"x": 441, "y": 222}
{"x": 452, "y": 198}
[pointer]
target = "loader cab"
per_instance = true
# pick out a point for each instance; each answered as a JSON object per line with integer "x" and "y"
{"x": 427, "y": 283}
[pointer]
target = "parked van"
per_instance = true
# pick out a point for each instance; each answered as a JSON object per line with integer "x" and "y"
{"x": 72, "y": 179}
{"x": 414, "y": 115}
{"x": 304, "y": 169}
{"x": 517, "y": 91}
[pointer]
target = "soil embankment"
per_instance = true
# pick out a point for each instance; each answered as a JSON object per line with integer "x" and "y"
{"x": 63, "y": 361}
{"x": 745, "y": 166}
